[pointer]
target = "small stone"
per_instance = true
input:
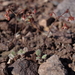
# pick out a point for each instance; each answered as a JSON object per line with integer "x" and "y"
{"x": 52, "y": 66}
{"x": 3, "y": 26}
{"x": 74, "y": 44}
{"x": 25, "y": 49}
{"x": 46, "y": 22}
{"x": 46, "y": 29}
{"x": 43, "y": 23}
{"x": 42, "y": 2}
{"x": 3, "y": 47}
{"x": 45, "y": 0}
{"x": 5, "y": 3}
{"x": 9, "y": 61}
{"x": 73, "y": 57}
{"x": 17, "y": 35}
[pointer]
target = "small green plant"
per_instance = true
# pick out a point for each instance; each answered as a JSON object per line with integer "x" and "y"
{"x": 44, "y": 56}
{"x": 39, "y": 55}
{"x": 38, "y": 52}
{"x": 21, "y": 52}
{"x": 12, "y": 55}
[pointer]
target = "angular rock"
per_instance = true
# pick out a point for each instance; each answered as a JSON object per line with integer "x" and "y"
{"x": 73, "y": 57}
{"x": 43, "y": 23}
{"x": 24, "y": 67}
{"x": 46, "y": 22}
{"x": 52, "y": 66}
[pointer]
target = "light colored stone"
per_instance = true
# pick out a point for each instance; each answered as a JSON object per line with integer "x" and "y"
{"x": 52, "y": 66}
{"x": 45, "y": 0}
{"x": 43, "y": 22}
{"x": 41, "y": 2}
{"x": 5, "y": 3}
{"x": 74, "y": 44}
{"x": 63, "y": 6}
{"x": 73, "y": 57}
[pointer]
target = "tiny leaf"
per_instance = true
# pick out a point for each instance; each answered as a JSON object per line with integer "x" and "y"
{"x": 37, "y": 58}
{"x": 13, "y": 53}
{"x": 38, "y": 52}
{"x": 44, "y": 56}
{"x": 11, "y": 56}
{"x": 20, "y": 52}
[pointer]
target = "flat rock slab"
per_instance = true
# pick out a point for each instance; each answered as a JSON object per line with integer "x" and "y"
{"x": 63, "y": 6}
{"x": 24, "y": 67}
{"x": 52, "y": 66}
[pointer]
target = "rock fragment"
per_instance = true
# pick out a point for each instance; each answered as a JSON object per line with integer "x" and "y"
{"x": 52, "y": 66}
{"x": 24, "y": 67}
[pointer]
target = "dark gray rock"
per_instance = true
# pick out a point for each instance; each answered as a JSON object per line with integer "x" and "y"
{"x": 24, "y": 67}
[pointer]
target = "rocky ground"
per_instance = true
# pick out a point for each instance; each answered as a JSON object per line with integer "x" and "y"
{"x": 33, "y": 41}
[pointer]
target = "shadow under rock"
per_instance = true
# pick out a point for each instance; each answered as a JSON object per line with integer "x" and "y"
{"x": 65, "y": 62}
{"x": 10, "y": 70}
